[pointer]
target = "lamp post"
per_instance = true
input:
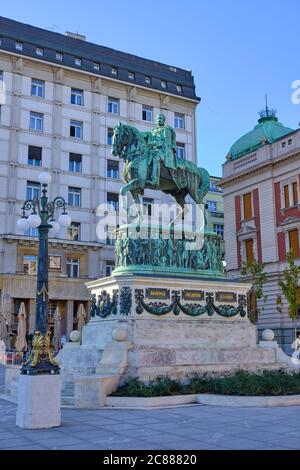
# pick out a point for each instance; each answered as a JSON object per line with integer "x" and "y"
{"x": 41, "y": 217}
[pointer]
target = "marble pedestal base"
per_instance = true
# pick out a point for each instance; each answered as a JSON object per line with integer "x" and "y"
{"x": 39, "y": 401}
{"x": 184, "y": 340}
{"x": 129, "y": 338}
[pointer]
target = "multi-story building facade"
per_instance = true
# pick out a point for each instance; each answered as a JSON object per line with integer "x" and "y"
{"x": 215, "y": 208}
{"x": 261, "y": 182}
{"x": 61, "y": 98}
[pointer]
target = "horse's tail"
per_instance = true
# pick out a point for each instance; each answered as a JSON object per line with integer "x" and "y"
{"x": 197, "y": 181}
{"x": 204, "y": 181}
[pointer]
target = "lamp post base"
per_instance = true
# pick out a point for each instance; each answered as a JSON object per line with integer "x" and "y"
{"x": 39, "y": 402}
{"x": 40, "y": 360}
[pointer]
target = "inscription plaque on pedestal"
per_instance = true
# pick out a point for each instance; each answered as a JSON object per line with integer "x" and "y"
{"x": 193, "y": 295}
{"x": 156, "y": 293}
{"x": 226, "y": 297}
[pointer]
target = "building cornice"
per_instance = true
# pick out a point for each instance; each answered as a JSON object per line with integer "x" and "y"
{"x": 258, "y": 168}
{"x": 53, "y": 242}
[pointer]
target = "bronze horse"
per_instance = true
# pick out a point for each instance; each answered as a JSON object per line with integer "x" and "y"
{"x": 130, "y": 145}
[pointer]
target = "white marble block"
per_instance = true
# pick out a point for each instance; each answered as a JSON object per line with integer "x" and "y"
{"x": 39, "y": 401}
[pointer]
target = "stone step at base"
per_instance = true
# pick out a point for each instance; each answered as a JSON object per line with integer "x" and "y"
{"x": 67, "y": 400}
{"x": 67, "y": 388}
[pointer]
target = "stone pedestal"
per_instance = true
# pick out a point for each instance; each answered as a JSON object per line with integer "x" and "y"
{"x": 151, "y": 325}
{"x": 180, "y": 340}
{"x": 39, "y": 401}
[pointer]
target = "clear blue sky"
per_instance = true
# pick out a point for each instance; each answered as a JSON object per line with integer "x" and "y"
{"x": 238, "y": 51}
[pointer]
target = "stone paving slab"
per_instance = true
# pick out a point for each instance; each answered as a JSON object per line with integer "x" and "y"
{"x": 187, "y": 428}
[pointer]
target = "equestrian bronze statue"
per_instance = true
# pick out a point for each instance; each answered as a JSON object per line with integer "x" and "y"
{"x": 151, "y": 163}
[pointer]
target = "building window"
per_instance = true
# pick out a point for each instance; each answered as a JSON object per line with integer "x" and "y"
{"x": 131, "y": 75}
{"x": 30, "y": 265}
{"x": 114, "y": 71}
{"x": 33, "y": 190}
{"x": 180, "y": 150}
{"x": 76, "y": 97}
{"x": 75, "y": 163}
{"x": 179, "y": 121}
{"x": 1, "y": 75}
{"x": 37, "y": 88}
{"x": 76, "y": 128}
{"x": 110, "y": 133}
{"x": 213, "y": 186}
{"x": 286, "y": 192}
{"x": 59, "y": 56}
{"x": 294, "y": 242}
{"x": 148, "y": 204}
{"x": 113, "y": 201}
{"x": 290, "y": 142}
{"x": 249, "y": 251}
{"x": 74, "y": 197}
{"x": 247, "y": 204}
{"x": 110, "y": 235}
{"x": 34, "y": 155}
{"x": 39, "y": 51}
{"x": 112, "y": 169}
{"x": 109, "y": 267}
{"x": 78, "y": 61}
{"x": 148, "y": 80}
{"x": 19, "y": 46}
{"x": 73, "y": 231}
{"x": 219, "y": 230}
{"x": 113, "y": 106}
{"x": 212, "y": 206}
{"x": 163, "y": 84}
{"x": 179, "y": 88}
{"x": 295, "y": 193}
{"x": 73, "y": 265}
{"x": 36, "y": 122}
{"x": 147, "y": 113}
{"x": 96, "y": 66}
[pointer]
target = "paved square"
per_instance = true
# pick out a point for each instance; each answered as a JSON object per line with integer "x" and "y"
{"x": 184, "y": 428}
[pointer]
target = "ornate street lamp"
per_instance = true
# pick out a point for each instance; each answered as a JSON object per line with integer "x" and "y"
{"x": 42, "y": 210}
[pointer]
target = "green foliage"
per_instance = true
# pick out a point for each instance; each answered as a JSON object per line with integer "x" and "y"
{"x": 289, "y": 286}
{"x": 241, "y": 383}
{"x": 256, "y": 271}
{"x": 159, "y": 387}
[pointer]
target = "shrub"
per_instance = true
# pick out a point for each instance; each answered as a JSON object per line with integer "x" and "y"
{"x": 241, "y": 383}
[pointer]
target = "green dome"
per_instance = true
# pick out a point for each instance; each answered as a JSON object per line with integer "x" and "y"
{"x": 267, "y": 131}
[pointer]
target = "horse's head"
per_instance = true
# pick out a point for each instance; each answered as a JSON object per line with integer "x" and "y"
{"x": 120, "y": 139}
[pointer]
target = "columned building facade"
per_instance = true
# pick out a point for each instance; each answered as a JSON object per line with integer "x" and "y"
{"x": 61, "y": 97}
{"x": 261, "y": 183}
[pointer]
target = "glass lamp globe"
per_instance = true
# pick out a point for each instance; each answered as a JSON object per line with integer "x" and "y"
{"x": 44, "y": 178}
{"x": 64, "y": 220}
{"x": 224, "y": 263}
{"x": 55, "y": 227}
{"x": 34, "y": 220}
{"x": 23, "y": 224}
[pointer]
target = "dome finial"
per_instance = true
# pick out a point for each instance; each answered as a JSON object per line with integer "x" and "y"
{"x": 267, "y": 113}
